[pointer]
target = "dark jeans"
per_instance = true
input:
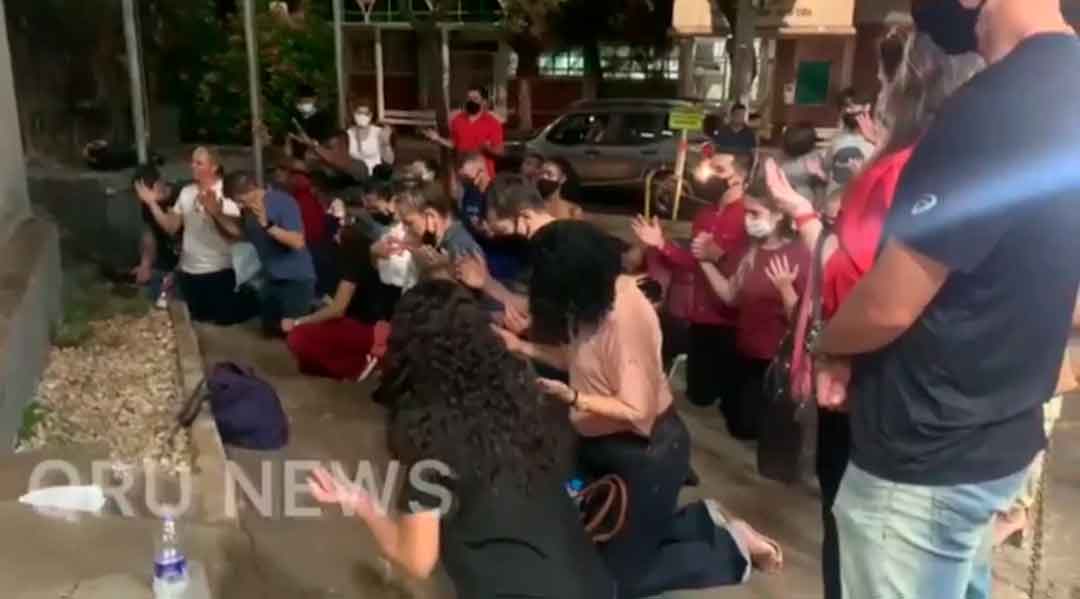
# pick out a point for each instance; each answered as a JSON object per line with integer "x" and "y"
{"x": 213, "y": 298}
{"x": 676, "y": 338}
{"x": 710, "y": 362}
{"x": 658, "y": 548}
{"x": 285, "y": 299}
{"x": 833, "y": 452}
{"x": 742, "y": 410}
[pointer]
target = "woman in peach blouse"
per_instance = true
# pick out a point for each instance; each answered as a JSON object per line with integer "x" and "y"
{"x": 592, "y": 321}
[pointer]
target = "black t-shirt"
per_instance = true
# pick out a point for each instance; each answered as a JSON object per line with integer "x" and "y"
{"x": 168, "y": 246}
{"x": 993, "y": 193}
{"x": 725, "y": 138}
{"x": 373, "y": 300}
{"x": 498, "y": 541}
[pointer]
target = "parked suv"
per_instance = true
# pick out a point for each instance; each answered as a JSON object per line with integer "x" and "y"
{"x": 617, "y": 143}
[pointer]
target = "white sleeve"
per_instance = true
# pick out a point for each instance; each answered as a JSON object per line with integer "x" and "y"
{"x": 183, "y": 202}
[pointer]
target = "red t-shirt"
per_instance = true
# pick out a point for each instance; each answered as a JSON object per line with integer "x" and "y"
{"x": 727, "y": 223}
{"x": 859, "y": 228}
{"x": 470, "y": 135}
{"x": 311, "y": 211}
{"x": 762, "y": 320}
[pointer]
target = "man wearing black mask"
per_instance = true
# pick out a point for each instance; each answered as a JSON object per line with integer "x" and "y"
{"x": 947, "y": 349}
{"x": 719, "y": 232}
{"x": 474, "y": 129}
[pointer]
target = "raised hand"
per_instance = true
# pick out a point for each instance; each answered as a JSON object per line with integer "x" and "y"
{"x": 512, "y": 342}
{"x": 328, "y": 489}
{"x": 869, "y": 128}
{"x": 790, "y": 201}
{"x": 146, "y": 194}
{"x": 556, "y": 389}
{"x": 649, "y": 232}
{"x": 781, "y": 274}
{"x": 472, "y": 271}
{"x": 516, "y": 321}
{"x": 705, "y": 249}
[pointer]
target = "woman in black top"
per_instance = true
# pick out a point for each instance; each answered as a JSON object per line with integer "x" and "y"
{"x": 489, "y": 453}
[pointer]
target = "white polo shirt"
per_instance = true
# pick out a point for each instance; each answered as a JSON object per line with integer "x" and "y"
{"x": 204, "y": 249}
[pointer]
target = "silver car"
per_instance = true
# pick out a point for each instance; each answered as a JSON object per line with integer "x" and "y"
{"x": 619, "y": 143}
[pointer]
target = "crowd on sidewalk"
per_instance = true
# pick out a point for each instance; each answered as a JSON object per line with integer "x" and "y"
{"x": 915, "y": 278}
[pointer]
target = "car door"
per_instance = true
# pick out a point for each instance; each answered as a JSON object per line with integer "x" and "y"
{"x": 575, "y": 138}
{"x": 640, "y": 141}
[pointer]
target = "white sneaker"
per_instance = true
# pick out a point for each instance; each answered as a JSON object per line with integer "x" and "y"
{"x": 162, "y": 302}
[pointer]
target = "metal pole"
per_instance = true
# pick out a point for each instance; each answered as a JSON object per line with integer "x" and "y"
{"x": 135, "y": 72}
{"x": 339, "y": 60}
{"x": 380, "y": 83}
{"x": 254, "y": 88}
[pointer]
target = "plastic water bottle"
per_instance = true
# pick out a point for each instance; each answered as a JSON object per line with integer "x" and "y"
{"x": 170, "y": 566}
{"x": 574, "y": 487}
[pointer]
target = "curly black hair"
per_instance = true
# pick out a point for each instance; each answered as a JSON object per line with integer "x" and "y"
{"x": 575, "y": 266}
{"x": 458, "y": 396}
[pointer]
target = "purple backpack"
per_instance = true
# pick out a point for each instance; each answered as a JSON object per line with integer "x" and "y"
{"x": 246, "y": 408}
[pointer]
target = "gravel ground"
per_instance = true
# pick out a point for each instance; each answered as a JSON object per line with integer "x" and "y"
{"x": 117, "y": 389}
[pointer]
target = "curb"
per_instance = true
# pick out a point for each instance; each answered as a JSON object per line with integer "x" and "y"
{"x": 209, "y": 464}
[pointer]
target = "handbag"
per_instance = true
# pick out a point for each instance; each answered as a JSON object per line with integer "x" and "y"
{"x": 604, "y": 505}
{"x": 787, "y": 427}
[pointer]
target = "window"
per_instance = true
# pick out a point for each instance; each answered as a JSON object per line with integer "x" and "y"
{"x": 618, "y": 62}
{"x": 643, "y": 128}
{"x": 812, "y": 83}
{"x": 577, "y": 129}
{"x": 568, "y": 63}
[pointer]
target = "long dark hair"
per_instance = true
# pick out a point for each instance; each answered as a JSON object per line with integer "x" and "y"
{"x": 575, "y": 266}
{"x": 458, "y": 396}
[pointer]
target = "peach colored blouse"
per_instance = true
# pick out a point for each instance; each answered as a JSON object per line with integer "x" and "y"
{"x": 621, "y": 359}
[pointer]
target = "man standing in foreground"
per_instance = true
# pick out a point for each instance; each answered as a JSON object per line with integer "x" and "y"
{"x": 957, "y": 333}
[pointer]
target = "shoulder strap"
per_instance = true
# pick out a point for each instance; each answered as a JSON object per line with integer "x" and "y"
{"x": 817, "y": 277}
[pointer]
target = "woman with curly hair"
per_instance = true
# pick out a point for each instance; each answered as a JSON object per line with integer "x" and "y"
{"x": 459, "y": 398}
{"x": 604, "y": 331}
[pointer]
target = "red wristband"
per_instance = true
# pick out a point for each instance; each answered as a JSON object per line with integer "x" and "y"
{"x": 803, "y": 219}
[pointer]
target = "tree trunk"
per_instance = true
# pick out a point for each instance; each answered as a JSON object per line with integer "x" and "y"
{"x": 528, "y": 69}
{"x": 594, "y": 71}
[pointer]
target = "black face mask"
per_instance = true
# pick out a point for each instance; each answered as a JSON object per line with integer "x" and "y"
{"x": 714, "y": 188}
{"x": 547, "y": 187}
{"x": 383, "y": 218}
{"x": 472, "y": 108}
{"x": 429, "y": 239}
{"x": 949, "y": 24}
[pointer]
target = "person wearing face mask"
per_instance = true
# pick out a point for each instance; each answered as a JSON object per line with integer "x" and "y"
{"x": 550, "y": 183}
{"x": 712, "y": 358}
{"x": 474, "y": 129}
{"x": 433, "y": 234}
{"x": 917, "y": 78}
{"x": 948, "y": 346}
{"x": 369, "y": 143}
{"x": 769, "y": 278}
{"x": 505, "y": 255}
{"x": 317, "y": 124}
{"x": 341, "y": 340}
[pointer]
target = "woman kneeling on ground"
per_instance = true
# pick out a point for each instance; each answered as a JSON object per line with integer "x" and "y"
{"x": 458, "y": 399}
{"x": 605, "y": 332}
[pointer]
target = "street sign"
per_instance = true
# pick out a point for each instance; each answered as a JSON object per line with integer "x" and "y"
{"x": 687, "y": 119}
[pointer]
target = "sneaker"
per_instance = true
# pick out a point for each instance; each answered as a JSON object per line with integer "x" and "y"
{"x": 162, "y": 302}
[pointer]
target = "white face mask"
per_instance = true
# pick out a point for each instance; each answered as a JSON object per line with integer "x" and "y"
{"x": 362, "y": 119}
{"x": 306, "y": 108}
{"x": 759, "y": 228}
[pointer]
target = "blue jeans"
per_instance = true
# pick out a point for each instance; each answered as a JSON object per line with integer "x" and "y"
{"x": 901, "y": 541}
